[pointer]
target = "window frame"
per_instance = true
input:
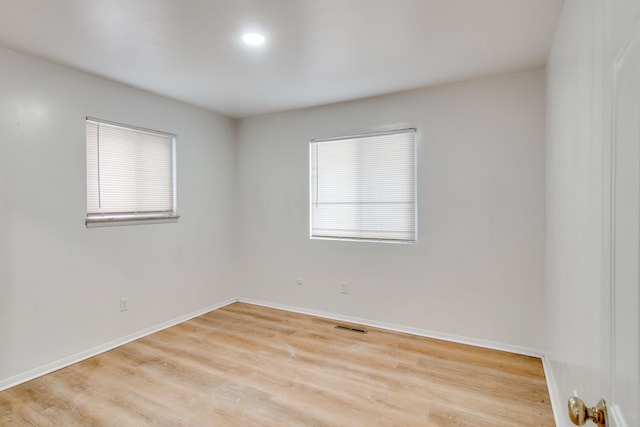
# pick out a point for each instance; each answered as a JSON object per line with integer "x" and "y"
{"x": 108, "y": 219}
{"x": 415, "y": 133}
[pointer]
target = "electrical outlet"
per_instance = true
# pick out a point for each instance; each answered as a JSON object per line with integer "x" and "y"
{"x": 124, "y": 304}
{"x": 344, "y": 288}
{"x": 300, "y": 281}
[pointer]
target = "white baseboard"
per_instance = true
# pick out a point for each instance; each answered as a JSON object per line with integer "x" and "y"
{"x": 557, "y": 406}
{"x": 83, "y": 355}
{"x": 404, "y": 329}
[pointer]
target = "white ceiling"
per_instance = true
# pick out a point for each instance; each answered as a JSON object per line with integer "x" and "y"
{"x": 317, "y": 51}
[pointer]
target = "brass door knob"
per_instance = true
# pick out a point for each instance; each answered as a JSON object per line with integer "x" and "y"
{"x": 579, "y": 413}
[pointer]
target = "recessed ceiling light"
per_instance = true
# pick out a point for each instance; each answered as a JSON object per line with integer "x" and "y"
{"x": 253, "y": 39}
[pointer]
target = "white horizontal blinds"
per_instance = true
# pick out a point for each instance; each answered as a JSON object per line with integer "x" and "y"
{"x": 364, "y": 187}
{"x": 129, "y": 171}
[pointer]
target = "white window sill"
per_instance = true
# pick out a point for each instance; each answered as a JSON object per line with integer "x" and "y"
{"x": 116, "y": 222}
{"x": 365, "y": 240}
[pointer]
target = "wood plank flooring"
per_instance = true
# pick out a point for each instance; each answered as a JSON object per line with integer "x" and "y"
{"x": 245, "y": 365}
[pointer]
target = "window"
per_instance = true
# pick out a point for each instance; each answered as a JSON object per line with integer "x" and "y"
{"x": 130, "y": 174}
{"x": 364, "y": 187}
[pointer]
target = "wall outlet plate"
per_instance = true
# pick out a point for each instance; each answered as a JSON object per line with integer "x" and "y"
{"x": 124, "y": 303}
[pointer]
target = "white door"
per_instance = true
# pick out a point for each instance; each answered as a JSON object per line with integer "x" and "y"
{"x": 625, "y": 280}
{"x": 621, "y": 297}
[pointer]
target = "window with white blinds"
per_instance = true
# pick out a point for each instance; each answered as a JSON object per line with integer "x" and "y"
{"x": 364, "y": 187}
{"x": 130, "y": 173}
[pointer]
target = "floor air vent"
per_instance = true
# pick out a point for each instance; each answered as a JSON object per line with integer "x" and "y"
{"x": 347, "y": 328}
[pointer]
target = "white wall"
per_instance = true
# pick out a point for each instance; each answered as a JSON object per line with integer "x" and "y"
{"x": 476, "y": 272}
{"x": 478, "y": 269}
{"x": 60, "y": 283}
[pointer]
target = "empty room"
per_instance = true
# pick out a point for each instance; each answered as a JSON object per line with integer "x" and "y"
{"x": 320, "y": 213}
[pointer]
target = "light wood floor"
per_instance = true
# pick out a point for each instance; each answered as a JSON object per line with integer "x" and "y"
{"x": 245, "y": 365}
